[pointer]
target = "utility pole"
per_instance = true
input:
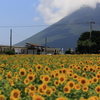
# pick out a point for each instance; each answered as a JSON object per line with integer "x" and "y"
{"x": 10, "y": 38}
{"x": 91, "y": 27}
{"x": 45, "y": 44}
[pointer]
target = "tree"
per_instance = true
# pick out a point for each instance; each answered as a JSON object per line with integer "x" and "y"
{"x": 85, "y": 44}
{"x": 10, "y": 52}
{"x": 69, "y": 51}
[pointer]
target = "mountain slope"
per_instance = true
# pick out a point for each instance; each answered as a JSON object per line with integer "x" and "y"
{"x": 65, "y": 33}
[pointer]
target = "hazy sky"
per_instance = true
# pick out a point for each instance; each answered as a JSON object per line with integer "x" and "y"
{"x": 25, "y": 17}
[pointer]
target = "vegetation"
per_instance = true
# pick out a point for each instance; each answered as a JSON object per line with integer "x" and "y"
{"x": 85, "y": 44}
{"x": 50, "y": 77}
{"x": 9, "y": 52}
{"x": 69, "y": 51}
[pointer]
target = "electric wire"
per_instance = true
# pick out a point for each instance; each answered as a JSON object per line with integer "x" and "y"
{"x": 46, "y": 25}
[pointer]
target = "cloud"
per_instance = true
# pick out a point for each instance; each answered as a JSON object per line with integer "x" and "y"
{"x": 54, "y": 10}
{"x": 36, "y": 18}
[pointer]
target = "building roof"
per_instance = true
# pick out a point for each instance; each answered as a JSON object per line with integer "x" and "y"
{"x": 34, "y": 44}
{"x": 14, "y": 46}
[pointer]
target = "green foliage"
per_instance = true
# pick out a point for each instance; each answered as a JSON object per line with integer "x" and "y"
{"x": 9, "y": 52}
{"x": 85, "y": 44}
{"x": 68, "y": 51}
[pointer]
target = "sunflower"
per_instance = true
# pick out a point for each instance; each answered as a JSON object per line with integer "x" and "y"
{"x": 60, "y": 71}
{"x": 94, "y": 70}
{"x": 70, "y": 74}
{"x": 85, "y": 88}
{"x": 71, "y": 84}
{"x": 47, "y": 69}
{"x": 70, "y": 66}
{"x": 56, "y": 82}
{"x": 98, "y": 68}
{"x": 75, "y": 76}
{"x": 38, "y": 97}
{"x": 62, "y": 65}
{"x": 15, "y": 94}
{"x": 84, "y": 74}
{"x": 91, "y": 68}
{"x": 32, "y": 87}
{"x": 15, "y": 73}
{"x": 22, "y": 72}
{"x": 44, "y": 86}
{"x": 56, "y": 74}
{"x": 30, "y": 70}
{"x": 78, "y": 68}
{"x": 70, "y": 70}
{"x": 31, "y": 77}
{"x": 90, "y": 81}
{"x": 40, "y": 90}
{"x": 98, "y": 72}
{"x": 85, "y": 69}
{"x": 46, "y": 79}
{"x": 31, "y": 93}
{"x": 82, "y": 98}
{"x": 48, "y": 91}
{"x": 83, "y": 81}
{"x": 91, "y": 98}
{"x": 62, "y": 78}
{"x": 66, "y": 89}
{"x": 91, "y": 76}
{"x": 94, "y": 79}
{"x": 52, "y": 75}
{"x": 53, "y": 88}
{"x": 95, "y": 98}
{"x": 2, "y": 97}
{"x": 26, "y": 90}
{"x": 61, "y": 98}
{"x": 77, "y": 86}
{"x": 41, "y": 77}
{"x": 38, "y": 67}
{"x": 64, "y": 70}
{"x": 98, "y": 75}
{"x": 8, "y": 75}
{"x": 97, "y": 89}
{"x": 81, "y": 63}
{"x": 26, "y": 81}
{"x": 11, "y": 82}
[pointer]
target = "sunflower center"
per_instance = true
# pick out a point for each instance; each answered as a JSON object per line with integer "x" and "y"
{"x": 61, "y": 79}
{"x": 16, "y": 95}
{"x": 71, "y": 84}
{"x": 22, "y": 73}
{"x": 32, "y": 88}
{"x": 1, "y": 98}
{"x": 98, "y": 89}
{"x": 46, "y": 79}
{"x": 30, "y": 77}
{"x": 83, "y": 81}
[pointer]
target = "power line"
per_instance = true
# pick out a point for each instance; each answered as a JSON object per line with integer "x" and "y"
{"x": 20, "y": 35}
{"x": 46, "y": 25}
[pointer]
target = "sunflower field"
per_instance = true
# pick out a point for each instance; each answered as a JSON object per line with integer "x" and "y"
{"x": 50, "y": 77}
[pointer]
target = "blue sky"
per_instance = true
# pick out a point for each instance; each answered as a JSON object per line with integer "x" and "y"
{"x": 18, "y": 13}
{"x": 33, "y": 13}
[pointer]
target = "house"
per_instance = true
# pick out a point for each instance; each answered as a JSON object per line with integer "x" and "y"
{"x": 31, "y": 48}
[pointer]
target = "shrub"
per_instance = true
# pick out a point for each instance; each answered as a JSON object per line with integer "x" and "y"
{"x": 10, "y": 52}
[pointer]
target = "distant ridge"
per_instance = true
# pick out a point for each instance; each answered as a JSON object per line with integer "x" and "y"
{"x": 65, "y": 33}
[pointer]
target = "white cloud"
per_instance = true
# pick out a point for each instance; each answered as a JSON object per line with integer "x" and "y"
{"x": 53, "y": 10}
{"x": 36, "y": 18}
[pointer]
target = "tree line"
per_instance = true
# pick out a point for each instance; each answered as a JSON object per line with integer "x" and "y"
{"x": 87, "y": 44}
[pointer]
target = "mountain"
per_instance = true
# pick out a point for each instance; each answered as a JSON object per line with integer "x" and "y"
{"x": 65, "y": 33}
